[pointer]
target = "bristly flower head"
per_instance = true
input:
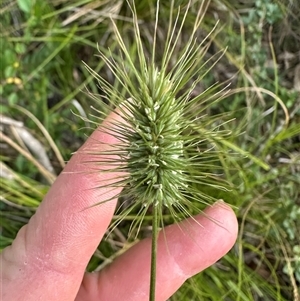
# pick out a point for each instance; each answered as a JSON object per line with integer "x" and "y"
{"x": 167, "y": 146}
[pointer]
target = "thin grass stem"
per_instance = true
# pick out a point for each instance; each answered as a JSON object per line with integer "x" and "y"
{"x": 154, "y": 252}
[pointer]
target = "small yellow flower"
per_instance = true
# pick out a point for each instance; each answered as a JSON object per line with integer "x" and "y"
{"x": 14, "y": 80}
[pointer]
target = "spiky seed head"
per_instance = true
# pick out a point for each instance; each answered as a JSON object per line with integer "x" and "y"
{"x": 165, "y": 131}
{"x": 155, "y": 149}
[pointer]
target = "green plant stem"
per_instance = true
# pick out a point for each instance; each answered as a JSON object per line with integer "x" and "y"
{"x": 153, "y": 253}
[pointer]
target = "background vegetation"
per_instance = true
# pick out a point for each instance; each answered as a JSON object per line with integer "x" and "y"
{"x": 44, "y": 82}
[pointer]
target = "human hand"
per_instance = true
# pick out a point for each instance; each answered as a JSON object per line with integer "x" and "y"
{"x": 47, "y": 260}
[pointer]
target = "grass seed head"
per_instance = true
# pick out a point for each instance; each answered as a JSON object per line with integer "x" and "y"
{"x": 166, "y": 135}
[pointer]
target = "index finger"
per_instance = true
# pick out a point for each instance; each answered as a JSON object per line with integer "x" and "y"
{"x": 57, "y": 243}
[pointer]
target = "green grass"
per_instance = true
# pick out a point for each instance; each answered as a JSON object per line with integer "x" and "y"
{"x": 44, "y": 83}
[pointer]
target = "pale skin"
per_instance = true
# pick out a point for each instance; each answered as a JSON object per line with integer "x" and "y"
{"x": 48, "y": 258}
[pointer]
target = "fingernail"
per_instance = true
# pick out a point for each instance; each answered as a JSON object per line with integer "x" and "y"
{"x": 220, "y": 203}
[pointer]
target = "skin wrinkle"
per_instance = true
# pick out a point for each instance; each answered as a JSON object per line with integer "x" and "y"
{"x": 9, "y": 258}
